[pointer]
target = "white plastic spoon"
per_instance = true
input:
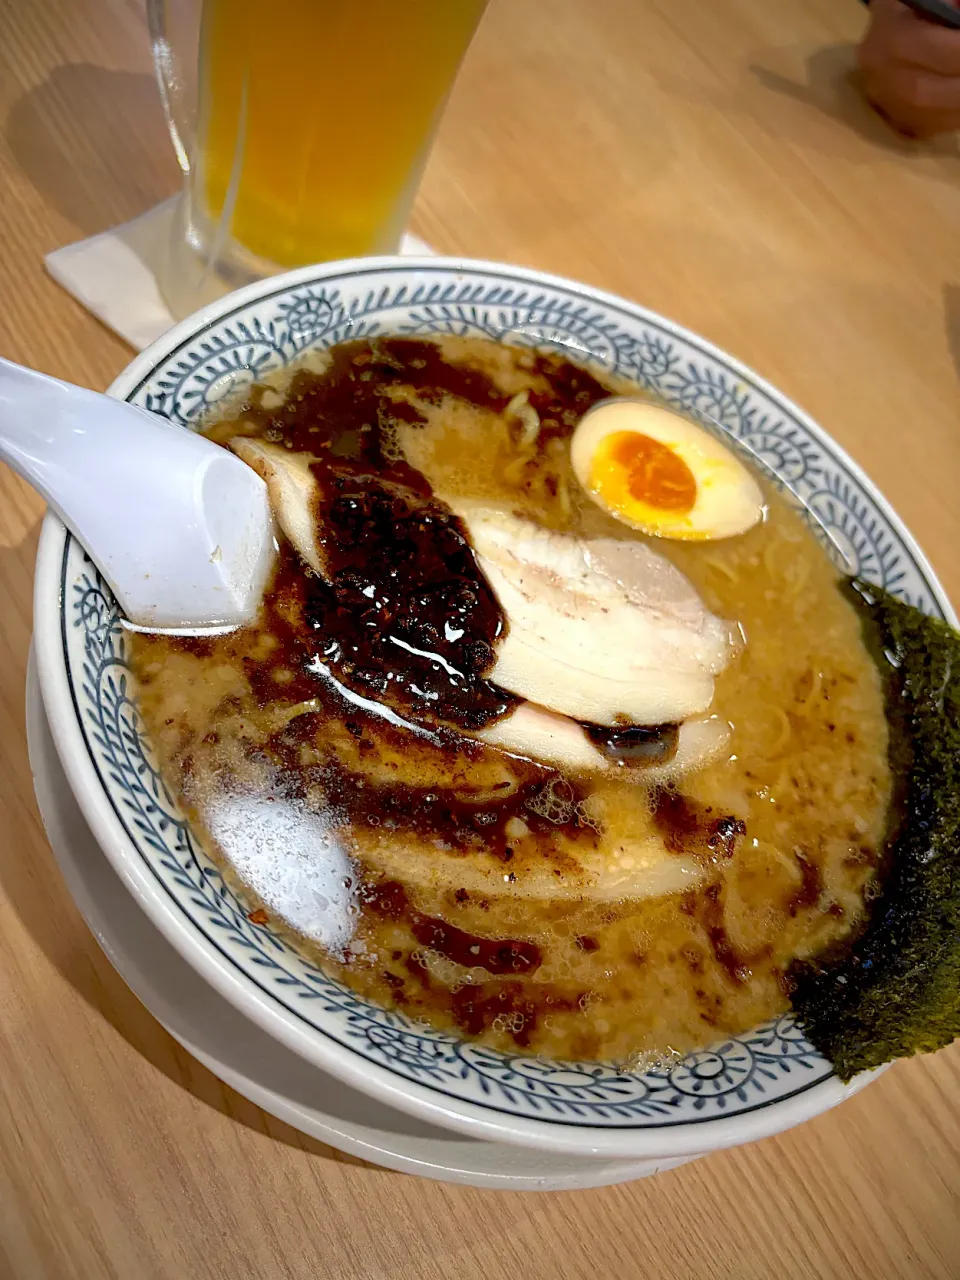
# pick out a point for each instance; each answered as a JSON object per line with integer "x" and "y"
{"x": 180, "y": 528}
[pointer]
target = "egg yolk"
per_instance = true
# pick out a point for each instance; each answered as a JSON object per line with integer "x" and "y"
{"x": 652, "y": 472}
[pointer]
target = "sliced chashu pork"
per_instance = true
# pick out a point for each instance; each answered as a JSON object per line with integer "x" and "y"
{"x": 299, "y": 864}
{"x": 292, "y": 490}
{"x": 641, "y": 867}
{"x": 545, "y": 736}
{"x": 600, "y": 630}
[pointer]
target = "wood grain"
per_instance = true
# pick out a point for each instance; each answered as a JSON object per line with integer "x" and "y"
{"x": 716, "y": 163}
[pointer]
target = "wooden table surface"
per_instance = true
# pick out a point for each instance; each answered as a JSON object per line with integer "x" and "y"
{"x": 715, "y": 162}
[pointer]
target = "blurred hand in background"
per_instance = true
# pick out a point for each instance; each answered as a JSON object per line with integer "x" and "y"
{"x": 911, "y": 70}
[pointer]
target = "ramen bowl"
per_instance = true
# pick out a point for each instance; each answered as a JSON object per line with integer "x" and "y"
{"x": 744, "y": 1088}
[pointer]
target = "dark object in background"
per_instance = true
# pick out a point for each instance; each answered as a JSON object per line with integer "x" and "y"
{"x": 939, "y": 11}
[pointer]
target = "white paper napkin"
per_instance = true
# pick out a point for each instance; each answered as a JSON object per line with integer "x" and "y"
{"x": 114, "y": 274}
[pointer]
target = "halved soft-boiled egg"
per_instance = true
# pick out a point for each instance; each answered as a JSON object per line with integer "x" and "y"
{"x": 662, "y": 473}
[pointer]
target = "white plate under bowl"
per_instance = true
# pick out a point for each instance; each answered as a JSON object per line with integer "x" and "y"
{"x": 741, "y": 1089}
{"x": 240, "y": 1054}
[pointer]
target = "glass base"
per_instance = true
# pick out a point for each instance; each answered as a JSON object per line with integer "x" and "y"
{"x": 196, "y": 270}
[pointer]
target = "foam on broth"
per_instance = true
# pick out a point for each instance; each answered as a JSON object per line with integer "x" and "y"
{"x": 476, "y": 890}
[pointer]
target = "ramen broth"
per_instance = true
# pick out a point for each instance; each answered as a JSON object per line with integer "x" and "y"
{"x": 333, "y": 776}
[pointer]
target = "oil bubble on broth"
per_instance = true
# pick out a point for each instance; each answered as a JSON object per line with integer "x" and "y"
{"x": 332, "y": 757}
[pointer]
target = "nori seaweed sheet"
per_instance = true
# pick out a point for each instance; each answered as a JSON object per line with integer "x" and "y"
{"x": 896, "y": 991}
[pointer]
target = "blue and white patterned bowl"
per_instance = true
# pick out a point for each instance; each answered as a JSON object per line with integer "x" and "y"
{"x": 745, "y": 1088}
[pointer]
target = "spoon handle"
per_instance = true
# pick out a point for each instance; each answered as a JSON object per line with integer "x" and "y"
{"x": 178, "y": 526}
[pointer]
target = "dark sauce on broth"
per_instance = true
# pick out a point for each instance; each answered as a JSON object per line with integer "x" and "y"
{"x": 407, "y": 618}
{"x": 638, "y": 744}
{"x": 351, "y": 697}
{"x": 460, "y": 819}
